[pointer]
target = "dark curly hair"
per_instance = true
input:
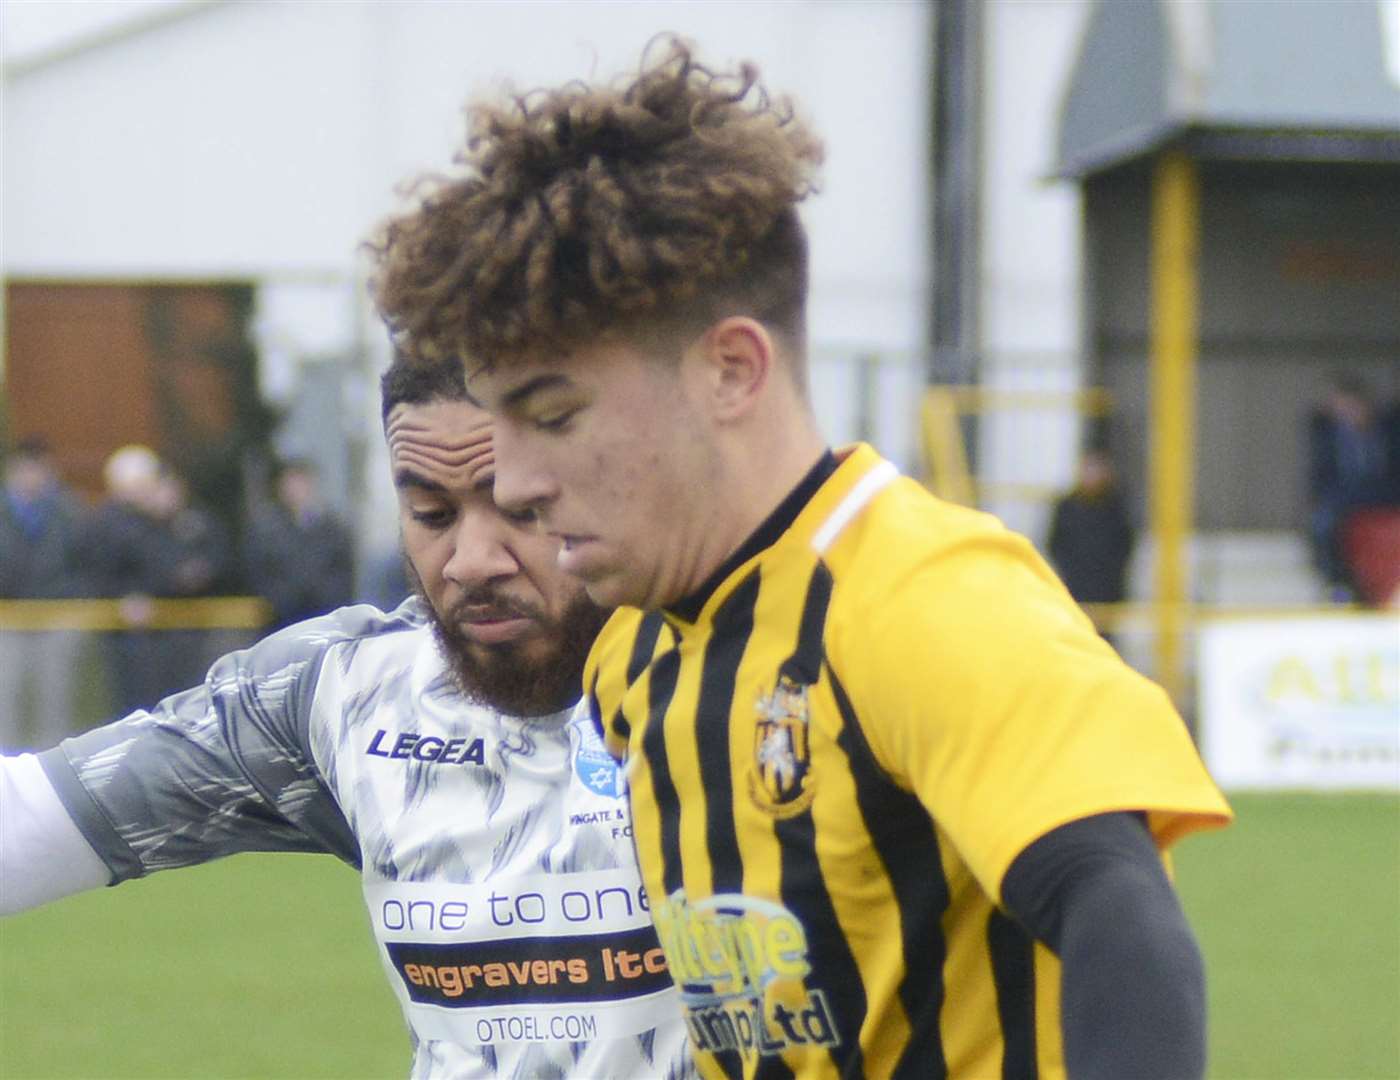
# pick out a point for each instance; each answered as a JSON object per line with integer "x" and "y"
{"x": 661, "y": 204}
{"x": 416, "y": 382}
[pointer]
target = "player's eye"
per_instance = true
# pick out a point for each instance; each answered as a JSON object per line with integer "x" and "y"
{"x": 437, "y": 518}
{"x": 519, "y": 517}
{"x": 555, "y": 421}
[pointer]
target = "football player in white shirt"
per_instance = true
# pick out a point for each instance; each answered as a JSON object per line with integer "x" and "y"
{"x": 437, "y": 748}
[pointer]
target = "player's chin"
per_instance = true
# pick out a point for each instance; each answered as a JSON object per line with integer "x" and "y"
{"x": 528, "y": 652}
{"x": 609, "y": 591}
{"x": 524, "y": 683}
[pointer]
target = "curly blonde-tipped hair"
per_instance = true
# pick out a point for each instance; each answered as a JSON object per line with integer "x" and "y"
{"x": 666, "y": 202}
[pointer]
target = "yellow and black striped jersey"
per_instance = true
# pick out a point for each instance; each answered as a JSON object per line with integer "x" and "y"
{"x": 835, "y": 751}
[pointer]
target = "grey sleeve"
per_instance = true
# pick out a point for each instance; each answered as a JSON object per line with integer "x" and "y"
{"x": 222, "y": 768}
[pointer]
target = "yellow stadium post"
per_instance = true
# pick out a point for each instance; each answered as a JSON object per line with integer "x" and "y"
{"x": 195, "y": 613}
{"x": 945, "y": 457}
{"x": 1172, "y": 401}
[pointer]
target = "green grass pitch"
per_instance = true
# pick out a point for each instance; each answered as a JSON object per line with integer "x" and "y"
{"x": 1297, "y": 907}
{"x": 263, "y": 966}
{"x": 257, "y": 966}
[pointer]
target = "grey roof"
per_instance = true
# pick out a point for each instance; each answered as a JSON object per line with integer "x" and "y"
{"x": 1239, "y": 78}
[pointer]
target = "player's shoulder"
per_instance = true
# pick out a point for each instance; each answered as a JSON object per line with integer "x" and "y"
{"x": 908, "y": 559}
{"x": 934, "y": 590}
{"x": 352, "y": 631}
{"x": 906, "y": 532}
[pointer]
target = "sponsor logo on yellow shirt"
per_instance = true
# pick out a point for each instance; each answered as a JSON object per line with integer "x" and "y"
{"x": 739, "y": 963}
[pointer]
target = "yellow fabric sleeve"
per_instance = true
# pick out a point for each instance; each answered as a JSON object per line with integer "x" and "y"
{"x": 983, "y": 688}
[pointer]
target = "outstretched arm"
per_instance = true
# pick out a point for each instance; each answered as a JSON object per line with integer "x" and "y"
{"x": 1133, "y": 985}
{"x": 221, "y": 768}
{"x": 43, "y": 856}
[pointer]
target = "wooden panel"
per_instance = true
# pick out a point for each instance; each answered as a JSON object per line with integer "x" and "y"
{"x": 79, "y": 372}
{"x": 92, "y": 367}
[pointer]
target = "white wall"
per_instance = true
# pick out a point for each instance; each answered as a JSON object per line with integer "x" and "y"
{"x": 264, "y": 139}
{"x": 1030, "y": 288}
{"x": 224, "y": 144}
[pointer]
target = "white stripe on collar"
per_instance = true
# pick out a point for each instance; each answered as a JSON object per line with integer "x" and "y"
{"x": 865, "y": 490}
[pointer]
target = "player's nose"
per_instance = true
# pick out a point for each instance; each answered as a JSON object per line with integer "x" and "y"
{"x": 480, "y": 553}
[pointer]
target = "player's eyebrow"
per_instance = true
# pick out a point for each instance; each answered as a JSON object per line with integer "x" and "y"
{"x": 407, "y": 478}
{"x": 515, "y": 399}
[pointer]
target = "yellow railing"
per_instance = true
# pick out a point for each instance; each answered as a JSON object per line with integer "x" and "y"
{"x": 205, "y": 613}
{"x": 945, "y": 458}
{"x": 1087, "y": 401}
{"x": 1145, "y": 614}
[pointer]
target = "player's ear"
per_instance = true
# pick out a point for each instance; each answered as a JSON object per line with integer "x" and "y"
{"x": 736, "y": 361}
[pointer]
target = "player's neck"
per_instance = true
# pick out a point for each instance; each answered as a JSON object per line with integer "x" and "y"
{"x": 770, "y": 460}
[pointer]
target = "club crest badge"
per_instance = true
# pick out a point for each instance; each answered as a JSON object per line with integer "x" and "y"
{"x": 779, "y": 783}
{"x": 593, "y": 764}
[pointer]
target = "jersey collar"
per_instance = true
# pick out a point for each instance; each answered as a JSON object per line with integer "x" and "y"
{"x": 812, "y": 513}
{"x": 765, "y": 536}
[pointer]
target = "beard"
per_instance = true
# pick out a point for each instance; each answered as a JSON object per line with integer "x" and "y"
{"x": 536, "y": 676}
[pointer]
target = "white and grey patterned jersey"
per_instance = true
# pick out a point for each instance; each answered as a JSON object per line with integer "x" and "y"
{"x": 495, "y": 851}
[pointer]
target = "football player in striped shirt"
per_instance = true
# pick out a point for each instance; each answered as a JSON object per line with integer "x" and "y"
{"x": 899, "y": 809}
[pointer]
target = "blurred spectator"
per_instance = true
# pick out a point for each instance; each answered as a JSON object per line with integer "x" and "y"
{"x": 203, "y": 557}
{"x": 384, "y": 582}
{"x": 40, "y": 530}
{"x": 1371, "y": 544}
{"x": 131, "y": 556}
{"x": 1091, "y": 535}
{"x": 1348, "y": 469}
{"x": 299, "y": 554}
{"x": 200, "y": 564}
{"x": 1389, "y": 421}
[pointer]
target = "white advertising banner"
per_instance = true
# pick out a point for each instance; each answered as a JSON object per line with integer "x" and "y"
{"x": 1301, "y": 702}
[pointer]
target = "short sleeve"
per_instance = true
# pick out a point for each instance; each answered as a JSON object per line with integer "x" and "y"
{"x": 981, "y": 687}
{"x": 218, "y": 769}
